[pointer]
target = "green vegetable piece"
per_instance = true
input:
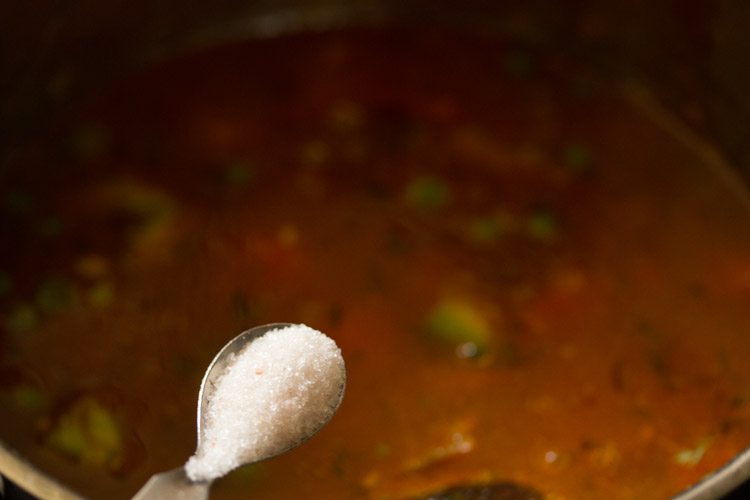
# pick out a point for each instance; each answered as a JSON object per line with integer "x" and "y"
{"x": 141, "y": 201}
{"x": 692, "y": 457}
{"x": 54, "y": 295}
{"x": 6, "y": 283}
{"x": 28, "y": 398}
{"x": 460, "y": 325}
{"x": 89, "y": 433}
{"x": 542, "y": 225}
{"x": 382, "y": 450}
{"x": 427, "y": 193}
{"x": 101, "y": 294}
{"x": 577, "y": 158}
{"x": 238, "y": 174}
{"x": 22, "y": 318}
{"x": 68, "y": 438}
{"x": 151, "y": 209}
{"x": 485, "y": 230}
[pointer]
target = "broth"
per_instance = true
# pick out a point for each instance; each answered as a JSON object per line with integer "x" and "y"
{"x": 530, "y": 278}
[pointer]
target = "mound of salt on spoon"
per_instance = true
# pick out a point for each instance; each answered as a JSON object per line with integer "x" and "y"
{"x": 276, "y": 391}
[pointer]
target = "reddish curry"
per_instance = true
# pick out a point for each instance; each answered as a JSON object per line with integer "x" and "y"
{"x": 531, "y": 279}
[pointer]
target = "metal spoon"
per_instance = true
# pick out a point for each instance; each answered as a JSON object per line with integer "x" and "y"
{"x": 174, "y": 484}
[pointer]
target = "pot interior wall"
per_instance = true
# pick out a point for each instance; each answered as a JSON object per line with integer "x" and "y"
{"x": 691, "y": 54}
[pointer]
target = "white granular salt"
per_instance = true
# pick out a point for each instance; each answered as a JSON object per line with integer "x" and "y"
{"x": 277, "y": 390}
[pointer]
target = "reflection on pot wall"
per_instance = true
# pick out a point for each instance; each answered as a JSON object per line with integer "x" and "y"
{"x": 729, "y": 107}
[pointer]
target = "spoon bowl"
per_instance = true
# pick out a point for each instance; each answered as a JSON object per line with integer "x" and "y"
{"x": 175, "y": 483}
{"x": 219, "y": 364}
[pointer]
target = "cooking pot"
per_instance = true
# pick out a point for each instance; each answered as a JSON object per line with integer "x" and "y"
{"x": 692, "y": 56}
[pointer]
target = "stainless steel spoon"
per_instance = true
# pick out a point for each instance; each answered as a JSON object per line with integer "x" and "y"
{"x": 174, "y": 484}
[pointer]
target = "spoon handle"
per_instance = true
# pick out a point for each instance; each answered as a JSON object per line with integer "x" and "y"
{"x": 172, "y": 484}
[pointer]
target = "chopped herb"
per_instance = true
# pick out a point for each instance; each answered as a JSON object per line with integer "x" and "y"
{"x": 89, "y": 433}
{"x": 22, "y": 318}
{"x": 54, "y": 295}
{"x": 6, "y": 283}
{"x": 577, "y": 158}
{"x": 427, "y": 193}
{"x": 460, "y": 325}
{"x": 542, "y": 225}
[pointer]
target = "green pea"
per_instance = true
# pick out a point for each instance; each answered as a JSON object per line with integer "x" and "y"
{"x": 577, "y": 157}
{"x": 238, "y": 174}
{"x": 427, "y": 193}
{"x": 22, "y": 318}
{"x": 542, "y": 225}
{"x": 460, "y": 325}
{"x": 89, "y": 433}
{"x": 54, "y": 295}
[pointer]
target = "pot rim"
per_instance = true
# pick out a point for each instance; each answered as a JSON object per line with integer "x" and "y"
{"x": 31, "y": 479}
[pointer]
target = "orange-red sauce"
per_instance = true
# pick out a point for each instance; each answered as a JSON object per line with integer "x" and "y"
{"x": 358, "y": 182}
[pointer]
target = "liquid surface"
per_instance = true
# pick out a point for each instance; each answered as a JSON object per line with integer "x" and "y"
{"x": 530, "y": 278}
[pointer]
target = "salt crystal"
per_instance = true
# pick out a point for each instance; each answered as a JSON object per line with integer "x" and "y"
{"x": 279, "y": 389}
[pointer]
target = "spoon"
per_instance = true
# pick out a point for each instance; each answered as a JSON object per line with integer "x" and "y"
{"x": 175, "y": 483}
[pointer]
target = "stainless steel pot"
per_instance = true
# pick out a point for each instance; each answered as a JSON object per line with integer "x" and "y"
{"x": 693, "y": 55}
